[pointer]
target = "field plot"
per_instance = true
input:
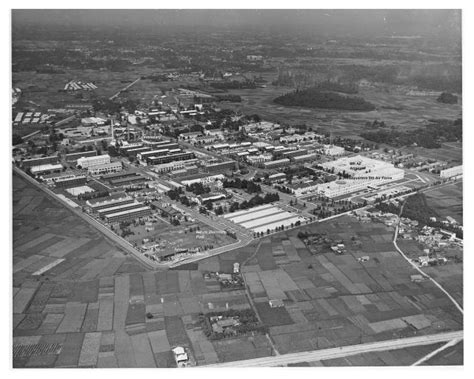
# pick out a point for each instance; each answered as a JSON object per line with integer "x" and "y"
{"x": 447, "y": 201}
{"x": 334, "y": 300}
{"x": 100, "y": 309}
{"x": 92, "y": 306}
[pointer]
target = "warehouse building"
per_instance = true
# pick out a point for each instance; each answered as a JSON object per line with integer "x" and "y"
{"x": 127, "y": 215}
{"x": 118, "y": 208}
{"x": 220, "y": 167}
{"x": 117, "y": 199}
{"x": 87, "y": 162}
{"x": 106, "y": 168}
{"x": 170, "y": 158}
{"x": 172, "y": 166}
{"x": 46, "y": 169}
{"x": 70, "y": 181}
{"x": 451, "y": 172}
{"x": 39, "y": 161}
{"x": 276, "y": 164}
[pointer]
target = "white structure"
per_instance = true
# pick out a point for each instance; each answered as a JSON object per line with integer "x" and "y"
{"x": 333, "y": 150}
{"x": 180, "y": 355}
{"x": 451, "y": 172}
{"x": 363, "y": 167}
{"x": 105, "y": 168}
{"x": 87, "y": 162}
{"x": 264, "y": 218}
{"x": 204, "y": 180}
{"x": 35, "y": 170}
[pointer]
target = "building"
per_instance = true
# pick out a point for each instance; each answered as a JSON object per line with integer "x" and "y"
{"x": 182, "y": 156}
{"x": 209, "y": 197}
{"x": 276, "y": 164}
{"x": 46, "y": 169}
{"x": 220, "y": 167}
{"x": 127, "y": 215}
{"x": 106, "y": 168}
{"x": 276, "y": 303}
{"x": 279, "y": 177}
{"x": 258, "y": 160}
{"x": 83, "y": 154}
{"x": 87, "y": 162}
{"x": 451, "y": 172}
{"x": 359, "y": 167}
{"x": 118, "y": 208}
{"x": 203, "y": 180}
{"x": 117, "y": 199}
{"x": 172, "y": 166}
{"x": 39, "y": 161}
{"x": 333, "y": 150}
{"x": 70, "y": 181}
{"x": 180, "y": 356}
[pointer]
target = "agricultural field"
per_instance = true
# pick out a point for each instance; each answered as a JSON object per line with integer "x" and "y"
{"x": 447, "y": 201}
{"x": 335, "y": 300}
{"x": 399, "y": 357}
{"x": 78, "y": 301}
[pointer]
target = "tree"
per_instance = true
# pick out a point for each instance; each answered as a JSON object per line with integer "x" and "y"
{"x": 16, "y": 139}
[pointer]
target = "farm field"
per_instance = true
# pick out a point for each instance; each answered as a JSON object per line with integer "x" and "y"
{"x": 447, "y": 201}
{"x": 334, "y": 300}
{"x": 399, "y": 357}
{"x": 80, "y": 302}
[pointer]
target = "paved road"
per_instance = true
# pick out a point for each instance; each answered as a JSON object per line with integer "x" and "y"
{"x": 124, "y": 89}
{"x": 343, "y": 351}
{"x": 427, "y": 357}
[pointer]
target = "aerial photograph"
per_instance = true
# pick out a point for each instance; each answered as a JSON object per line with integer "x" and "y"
{"x": 236, "y": 188}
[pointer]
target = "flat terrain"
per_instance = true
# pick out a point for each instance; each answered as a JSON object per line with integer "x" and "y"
{"x": 411, "y": 111}
{"x": 80, "y": 302}
{"x": 447, "y": 201}
{"x": 100, "y": 308}
{"x": 334, "y": 300}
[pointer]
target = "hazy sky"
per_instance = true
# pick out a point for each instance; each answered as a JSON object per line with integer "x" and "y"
{"x": 384, "y": 21}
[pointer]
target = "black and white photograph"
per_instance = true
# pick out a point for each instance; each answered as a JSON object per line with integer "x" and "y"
{"x": 235, "y": 188}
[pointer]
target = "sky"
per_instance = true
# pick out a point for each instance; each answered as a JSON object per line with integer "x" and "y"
{"x": 391, "y": 22}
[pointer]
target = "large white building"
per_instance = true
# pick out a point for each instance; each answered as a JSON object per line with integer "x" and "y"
{"x": 363, "y": 167}
{"x": 333, "y": 150}
{"x": 87, "y": 162}
{"x": 451, "y": 172}
{"x": 105, "y": 168}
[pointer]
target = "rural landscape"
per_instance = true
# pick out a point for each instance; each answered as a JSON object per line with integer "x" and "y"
{"x": 252, "y": 188}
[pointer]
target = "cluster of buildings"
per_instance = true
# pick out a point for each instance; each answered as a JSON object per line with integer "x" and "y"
{"x": 119, "y": 208}
{"x": 265, "y": 218}
{"x": 77, "y": 85}
{"x": 25, "y": 118}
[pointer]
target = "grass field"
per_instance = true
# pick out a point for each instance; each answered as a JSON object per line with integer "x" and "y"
{"x": 447, "y": 201}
